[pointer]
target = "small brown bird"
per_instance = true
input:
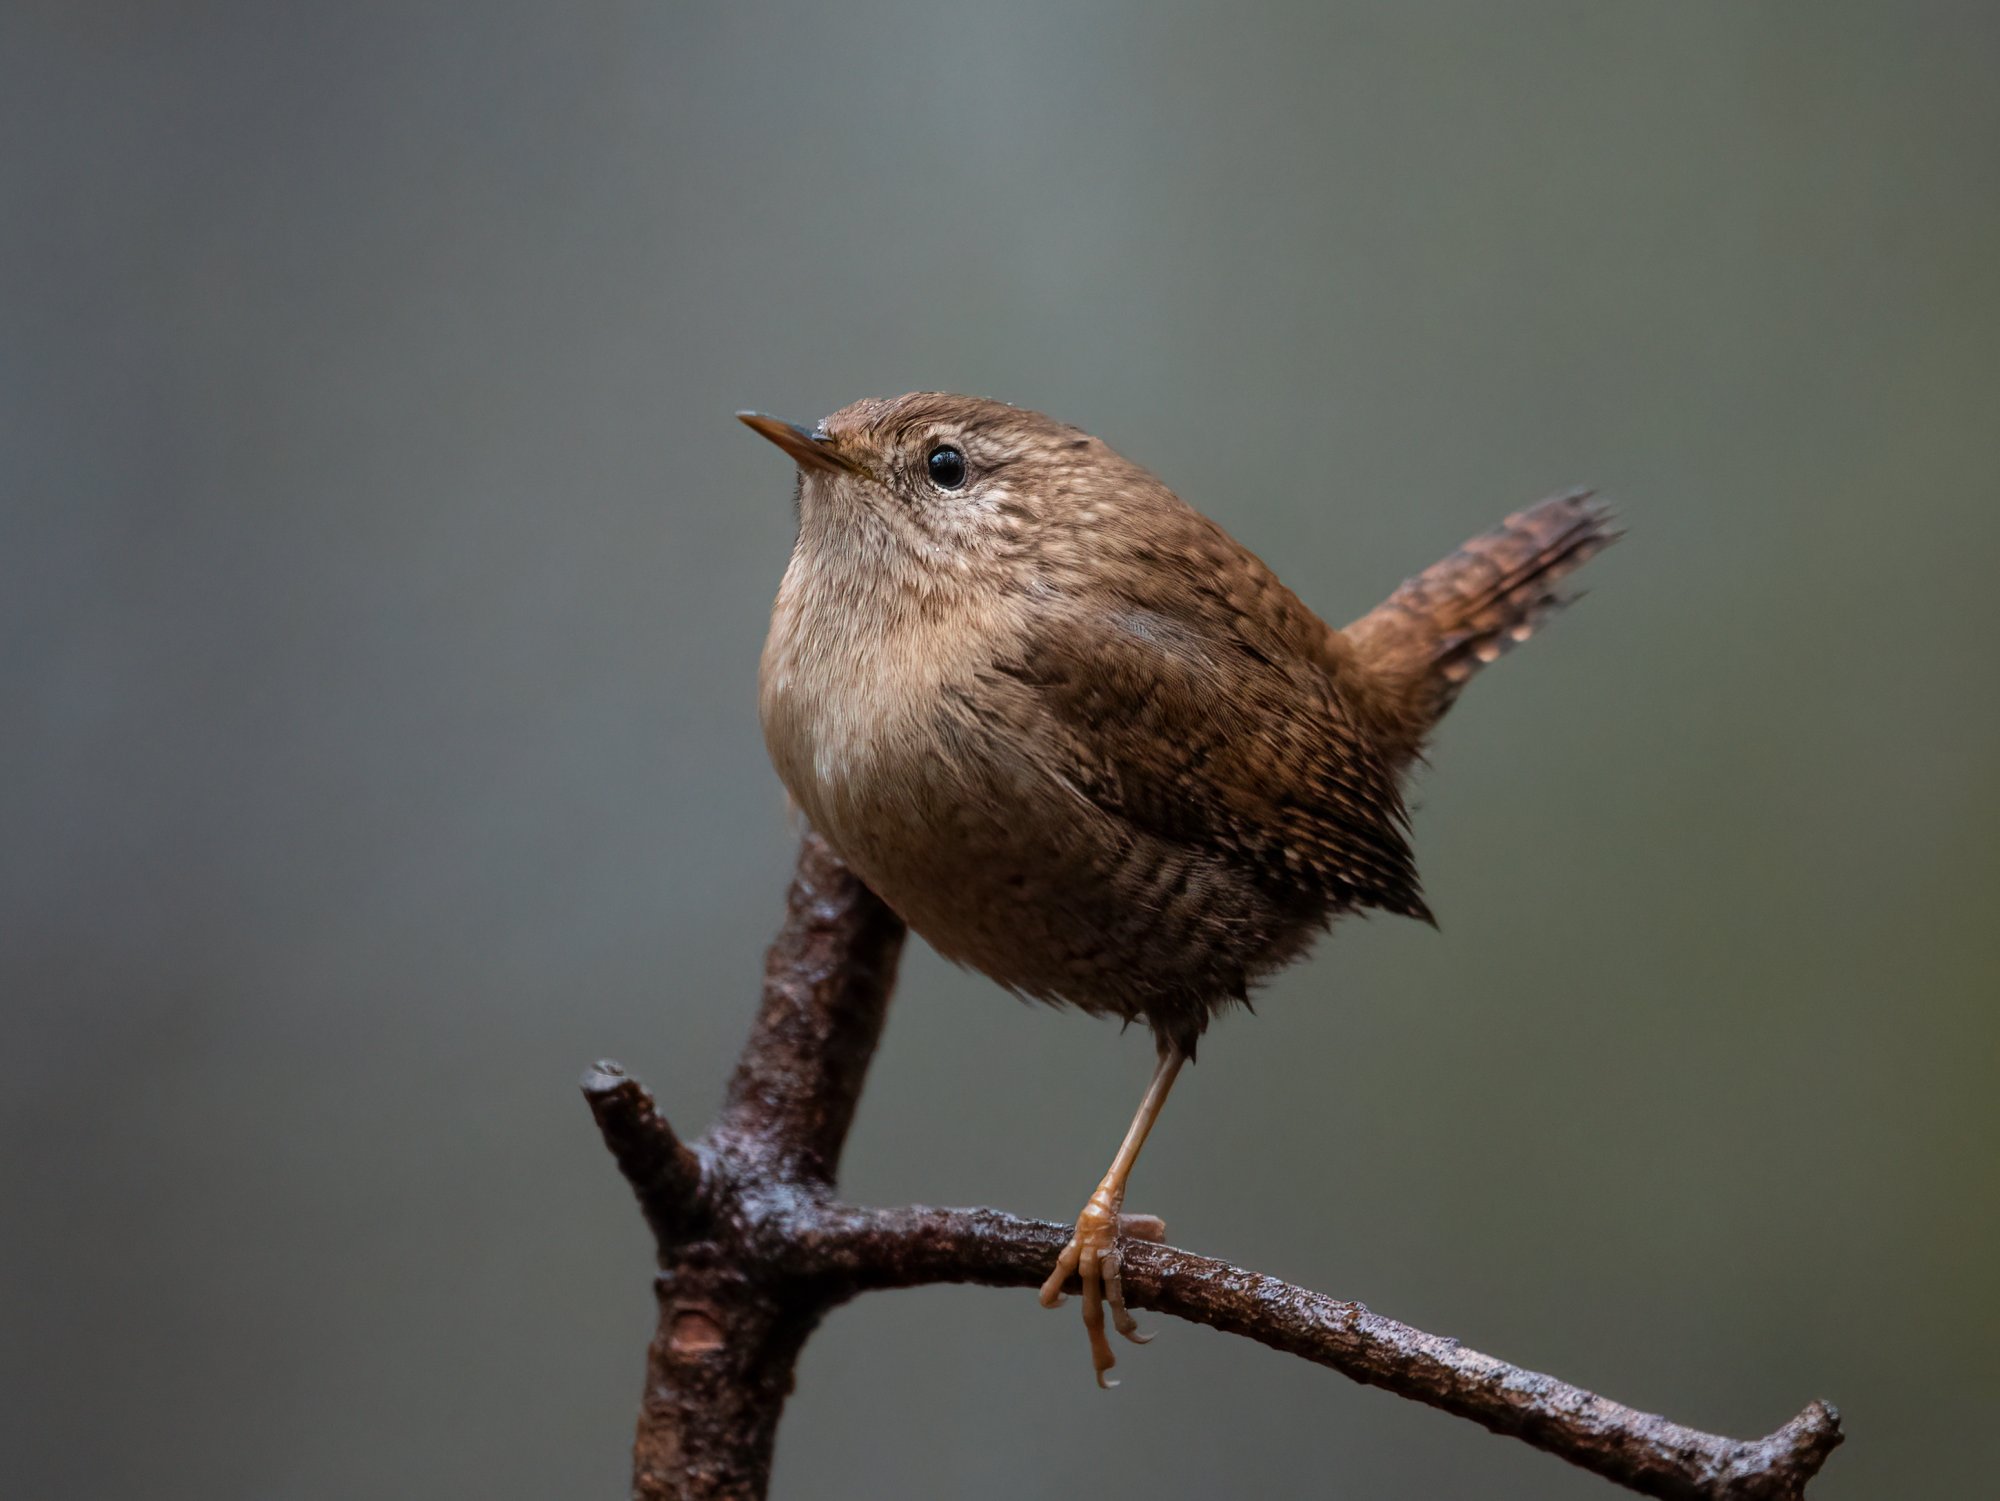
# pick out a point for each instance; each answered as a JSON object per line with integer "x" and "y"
{"x": 1083, "y": 740}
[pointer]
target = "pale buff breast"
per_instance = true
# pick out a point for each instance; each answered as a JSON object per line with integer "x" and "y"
{"x": 849, "y": 695}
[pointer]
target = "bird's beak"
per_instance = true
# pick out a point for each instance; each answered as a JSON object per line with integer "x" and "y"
{"x": 811, "y": 450}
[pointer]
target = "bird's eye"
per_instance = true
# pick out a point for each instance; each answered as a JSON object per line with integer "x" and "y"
{"x": 947, "y": 467}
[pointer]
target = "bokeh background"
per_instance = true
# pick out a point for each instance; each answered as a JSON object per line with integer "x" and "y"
{"x": 381, "y": 588}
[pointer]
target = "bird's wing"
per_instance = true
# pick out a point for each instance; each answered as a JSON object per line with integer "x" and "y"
{"x": 1195, "y": 699}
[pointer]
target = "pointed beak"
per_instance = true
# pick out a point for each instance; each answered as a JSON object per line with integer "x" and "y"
{"x": 811, "y": 450}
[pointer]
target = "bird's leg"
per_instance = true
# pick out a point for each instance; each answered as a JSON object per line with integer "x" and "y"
{"x": 1092, "y": 1252}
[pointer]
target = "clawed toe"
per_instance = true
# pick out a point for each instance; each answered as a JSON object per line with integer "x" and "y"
{"x": 1113, "y": 1264}
{"x": 1094, "y": 1258}
{"x": 1053, "y": 1295}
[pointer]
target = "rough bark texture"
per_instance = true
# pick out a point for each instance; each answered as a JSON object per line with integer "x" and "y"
{"x": 754, "y": 1249}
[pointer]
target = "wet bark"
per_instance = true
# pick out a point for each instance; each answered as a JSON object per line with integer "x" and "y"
{"x": 754, "y": 1249}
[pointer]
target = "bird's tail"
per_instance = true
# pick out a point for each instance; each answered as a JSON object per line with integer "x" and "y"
{"x": 1422, "y": 644}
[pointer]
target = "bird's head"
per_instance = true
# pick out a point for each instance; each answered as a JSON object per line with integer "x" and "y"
{"x": 934, "y": 486}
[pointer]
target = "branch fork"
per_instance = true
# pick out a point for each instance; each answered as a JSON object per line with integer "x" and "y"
{"x": 754, "y": 1249}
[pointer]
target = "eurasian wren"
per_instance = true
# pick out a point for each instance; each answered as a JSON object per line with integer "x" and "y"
{"x": 1083, "y": 740}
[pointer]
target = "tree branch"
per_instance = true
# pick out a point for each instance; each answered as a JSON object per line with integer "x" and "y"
{"x": 754, "y": 1249}
{"x": 827, "y": 981}
{"x": 889, "y": 1248}
{"x": 665, "y": 1175}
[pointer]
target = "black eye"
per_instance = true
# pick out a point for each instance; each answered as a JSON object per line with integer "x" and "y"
{"x": 947, "y": 466}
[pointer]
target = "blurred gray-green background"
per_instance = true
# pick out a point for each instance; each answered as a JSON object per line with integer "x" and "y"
{"x": 381, "y": 588}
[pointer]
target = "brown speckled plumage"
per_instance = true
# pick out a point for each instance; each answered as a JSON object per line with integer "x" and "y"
{"x": 1082, "y": 739}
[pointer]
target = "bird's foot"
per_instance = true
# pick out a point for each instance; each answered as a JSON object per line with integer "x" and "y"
{"x": 1093, "y": 1256}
